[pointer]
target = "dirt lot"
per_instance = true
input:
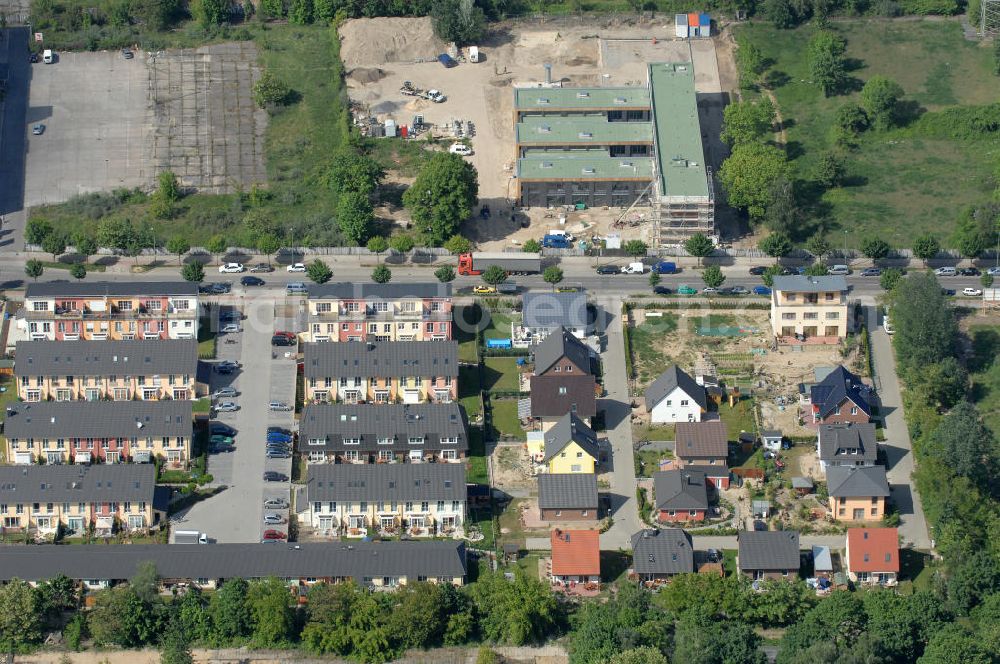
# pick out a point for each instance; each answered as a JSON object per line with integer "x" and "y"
{"x": 379, "y": 54}
{"x": 512, "y": 468}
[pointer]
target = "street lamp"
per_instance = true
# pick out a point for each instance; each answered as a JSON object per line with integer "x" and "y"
{"x": 845, "y": 244}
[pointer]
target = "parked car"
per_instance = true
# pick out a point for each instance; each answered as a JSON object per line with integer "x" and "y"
{"x": 275, "y": 504}
{"x": 217, "y": 448}
{"x": 296, "y": 267}
{"x": 219, "y": 288}
{"x": 447, "y": 60}
{"x": 252, "y": 281}
{"x": 275, "y": 519}
{"x": 38, "y": 129}
{"x": 757, "y": 270}
{"x": 274, "y": 535}
{"x": 220, "y": 429}
{"x": 739, "y": 290}
{"x": 230, "y": 268}
{"x": 230, "y": 328}
{"x": 277, "y": 437}
{"x": 661, "y": 290}
{"x": 484, "y": 290}
{"x": 279, "y": 406}
{"x": 228, "y": 364}
{"x": 262, "y": 267}
{"x": 225, "y": 393}
{"x": 710, "y": 291}
{"x": 278, "y": 340}
{"x": 277, "y": 429}
{"x": 221, "y": 439}
{"x": 871, "y": 272}
{"x": 226, "y": 407}
{"x": 272, "y": 476}
{"x": 278, "y": 454}
{"x": 608, "y": 269}
{"x": 286, "y": 334}
{"x": 224, "y": 370}
{"x": 994, "y": 271}
{"x": 969, "y": 272}
{"x": 972, "y": 292}
{"x": 460, "y": 149}
{"x": 839, "y": 270}
{"x": 946, "y": 272}
{"x": 948, "y": 291}
{"x": 684, "y": 289}
{"x": 761, "y": 290}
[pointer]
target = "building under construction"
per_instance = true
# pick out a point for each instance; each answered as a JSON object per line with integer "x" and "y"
{"x": 618, "y": 147}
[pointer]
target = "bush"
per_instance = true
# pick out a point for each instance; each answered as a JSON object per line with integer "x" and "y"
{"x": 269, "y": 90}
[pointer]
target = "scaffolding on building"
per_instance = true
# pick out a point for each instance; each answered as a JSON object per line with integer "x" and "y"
{"x": 676, "y": 218}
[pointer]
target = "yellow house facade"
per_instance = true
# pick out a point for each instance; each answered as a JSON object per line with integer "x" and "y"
{"x": 568, "y": 446}
{"x": 809, "y": 307}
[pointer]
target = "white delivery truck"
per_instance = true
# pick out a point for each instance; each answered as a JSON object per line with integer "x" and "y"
{"x": 634, "y": 268}
{"x": 190, "y": 537}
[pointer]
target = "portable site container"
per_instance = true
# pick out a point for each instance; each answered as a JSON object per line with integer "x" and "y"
{"x": 704, "y": 25}
{"x": 681, "y": 26}
{"x": 390, "y": 128}
{"x": 693, "y": 24}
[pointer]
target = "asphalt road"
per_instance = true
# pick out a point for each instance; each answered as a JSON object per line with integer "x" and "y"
{"x": 16, "y": 71}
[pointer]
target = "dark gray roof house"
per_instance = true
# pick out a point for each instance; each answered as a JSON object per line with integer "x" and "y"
{"x": 381, "y": 359}
{"x": 768, "y": 550}
{"x": 839, "y": 385}
{"x": 663, "y": 552}
{"x": 98, "y": 419}
{"x": 110, "y": 288}
{"x": 561, "y": 344}
{"x": 699, "y": 440}
{"x": 570, "y": 428}
{"x": 106, "y": 358}
{"x": 567, "y": 491}
{"x": 54, "y": 483}
{"x": 554, "y": 391}
{"x": 680, "y": 490}
{"x": 549, "y": 311}
{"x": 856, "y": 481}
{"x": 847, "y": 443}
{"x": 396, "y": 482}
{"x": 324, "y": 427}
{"x": 371, "y": 291}
{"x": 361, "y": 561}
{"x": 669, "y": 381}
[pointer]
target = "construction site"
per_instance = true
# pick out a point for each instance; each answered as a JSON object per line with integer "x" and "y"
{"x": 640, "y": 169}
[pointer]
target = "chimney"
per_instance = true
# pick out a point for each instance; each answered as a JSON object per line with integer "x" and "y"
{"x": 548, "y": 73}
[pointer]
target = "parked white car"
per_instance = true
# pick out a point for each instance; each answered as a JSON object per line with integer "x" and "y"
{"x": 972, "y": 292}
{"x": 946, "y": 272}
{"x": 230, "y": 268}
{"x": 460, "y": 149}
{"x": 994, "y": 271}
{"x": 297, "y": 267}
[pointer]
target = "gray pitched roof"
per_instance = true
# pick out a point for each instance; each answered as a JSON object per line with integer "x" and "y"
{"x": 381, "y": 359}
{"x": 567, "y": 491}
{"x": 701, "y": 439}
{"x": 73, "y": 484}
{"x": 680, "y": 490}
{"x": 551, "y": 310}
{"x": 838, "y": 385}
{"x": 110, "y": 288}
{"x": 331, "y": 423}
{"x": 805, "y": 284}
{"x": 556, "y": 394}
{"x": 106, "y": 358}
{"x": 768, "y": 549}
{"x": 223, "y": 561}
{"x": 847, "y": 442}
{"x": 384, "y": 482}
{"x": 664, "y": 551}
{"x": 368, "y": 291}
{"x": 822, "y": 559}
{"x": 558, "y": 344}
{"x": 98, "y": 419}
{"x": 570, "y": 428}
{"x": 668, "y": 381}
{"x": 856, "y": 481}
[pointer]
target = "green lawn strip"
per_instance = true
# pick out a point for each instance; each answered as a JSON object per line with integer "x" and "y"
{"x": 7, "y": 397}
{"x": 984, "y": 371}
{"x": 738, "y": 418}
{"x": 505, "y": 419}
{"x": 500, "y": 374}
{"x": 207, "y": 339}
{"x": 477, "y": 473}
{"x": 468, "y": 391}
{"x": 59, "y": 265}
{"x": 499, "y": 325}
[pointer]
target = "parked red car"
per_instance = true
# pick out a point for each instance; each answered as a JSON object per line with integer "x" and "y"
{"x": 289, "y": 335}
{"x": 274, "y": 535}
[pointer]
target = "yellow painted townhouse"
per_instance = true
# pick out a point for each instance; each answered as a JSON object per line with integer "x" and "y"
{"x": 79, "y": 499}
{"x": 812, "y": 309}
{"x": 379, "y": 312}
{"x": 107, "y": 370}
{"x": 99, "y": 432}
{"x": 383, "y": 372}
{"x": 568, "y": 446}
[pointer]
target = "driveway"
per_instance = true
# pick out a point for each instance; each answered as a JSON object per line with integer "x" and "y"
{"x": 899, "y": 450}
{"x": 618, "y": 419}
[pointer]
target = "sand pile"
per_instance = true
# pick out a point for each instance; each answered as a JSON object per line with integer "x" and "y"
{"x": 366, "y": 74}
{"x": 370, "y": 41}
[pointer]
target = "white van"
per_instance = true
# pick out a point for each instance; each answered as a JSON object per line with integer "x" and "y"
{"x": 839, "y": 269}
{"x": 47, "y": 56}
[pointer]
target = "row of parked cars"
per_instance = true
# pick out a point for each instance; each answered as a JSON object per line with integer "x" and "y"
{"x": 235, "y": 268}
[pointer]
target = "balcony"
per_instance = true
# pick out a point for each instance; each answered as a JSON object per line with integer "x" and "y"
{"x": 373, "y": 316}
{"x": 113, "y": 313}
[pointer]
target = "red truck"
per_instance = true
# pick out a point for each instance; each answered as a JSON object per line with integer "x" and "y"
{"x": 513, "y": 262}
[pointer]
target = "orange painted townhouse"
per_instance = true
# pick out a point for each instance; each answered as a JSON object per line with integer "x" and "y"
{"x": 380, "y": 312}
{"x": 873, "y": 556}
{"x": 576, "y": 557}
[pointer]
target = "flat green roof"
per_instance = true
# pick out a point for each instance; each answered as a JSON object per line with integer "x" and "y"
{"x": 540, "y": 99}
{"x": 583, "y": 165}
{"x": 679, "y": 153}
{"x": 536, "y": 129}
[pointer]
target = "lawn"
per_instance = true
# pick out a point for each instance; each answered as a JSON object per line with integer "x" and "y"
{"x": 498, "y": 324}
{"x": 899, "y": 186}
{"x": 468, "y": 391}
{"x": 7, "y": 397}
{"x": 207, "y": 339}
{"x": 477, "y": 473}
{"x": 984, "y": 371}
{"x": 648, "y": 359}
{"x": 738, "y": 418}
{"x": 467, "y": 320}
{"x": 500, "y": 374}
{"x": 654, "y": 432}
{"x": 647, "y": 462}
{"x": 505, "y": 420}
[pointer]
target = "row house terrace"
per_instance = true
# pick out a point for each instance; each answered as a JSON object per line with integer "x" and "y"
{"x": 380, "y": 312}
{"x": 383, "y": 433}
{"x": 99, "y": 311}
{"x": 383, "y": 372}
{"x": 107, "y": 370}
{"x": 99, "y": 432}
{"x": 79, "y": 499}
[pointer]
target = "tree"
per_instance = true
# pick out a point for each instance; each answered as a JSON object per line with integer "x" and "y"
{"x": 377, "y": 244}
{"x": 401, "y": 243}
{"x": 968, "y": 445}
{"x": 55, "y": 244}
{"x": 636, "y": 248}
{"x": 654, "y": 279}
{"x": 270, "y": 613}
{"x": 699, "y": 246}
{"x": 779, "y": 12}
{"x": 216, "y": 244}
{"x": 532, "y": 246}
{"x": 355, "y": 216}
{"x": 783, "y": 214}
{"x": 747, "y": 121}
{"x": 268, "y": 244}
{"x": 381, "y": 274}
{"x": 353, "y": 171}
{"x": 839, "y": 618}
{"x": 890, "y": 278}
{"x": 955, "y": 644}
{"x": 269, "y": 90}
{"x": 640, "y": 655}
{"x": 926, "y": 331}
{"x": 817, "y": 270}
{"x": 179, "y": 245}
{"x": 193, "y": 272}
{"x": 515, "y": 612}
{"x": 36, "y": 230}
{"x": 33, "y": 268}
{"x": 830, "y": 169}
{"x": 459, "y": 21}
{"x": 926, "y": 247}
{"x": 176, "y": 648}
{"x": 229, "y": 611}
{"x": 85, "y": 244}
{"x": 972, "y": 237}
{"x": 121, "y": 618}
{"x": 209, "y": 13}
{"x": 117, "y": 233}
{"x": 442, "y": 196}
{"x": 319, "y": 271}
{"x": 751, "y": 64}
{"x": 776, "y": 245}
{"x": 700, "y": 637}
{"x": 875, "y": 248}
{"x": 770, "y": 273}
{"x": 826, "y": 62}
{"x": 19, "y": 616}
{"x": 986, "y": 280}
{"x": 880, "y": 99}
{"x": 300, "y": 12}
{"x": 272, "y": 8}
{"x": 445, "y": 274}
{"x": 78, "y": 271}
{"x": 553, "y": 274}
{"x": 851, "y": 120}
{"x": 457, "y": 244}
{"x": 945, "y": 382}
{"x": 748, "y": 173}
{"x": 418, "y": 615}
{"x": 629, "y": 620}
{"x": 713, "y": 277}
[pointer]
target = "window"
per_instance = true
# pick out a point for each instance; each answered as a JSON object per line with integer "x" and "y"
{"x": 684, "y": 402}
{"x": 832, "y": 315}
{"x": 788, "y": 316}
{"x": 854, "y": 410}
{"x": 829, "y": 297}
{"x": 790, "y": 297}
{"x": 408, "y": 506}
{"x": 575, "y": 468}
{"x": 40, "y": 306}
{"x": 810, "y": 315}
{"x": 562, "y": 390}
{"x": 425, "y": 506}
{"x": 324, "y": 307}
{"x": 440, "y": 506}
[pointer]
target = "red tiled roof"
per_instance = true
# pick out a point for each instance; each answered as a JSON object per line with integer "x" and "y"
{"x": 576, "y": 552}
{"x": 873, "y": 550}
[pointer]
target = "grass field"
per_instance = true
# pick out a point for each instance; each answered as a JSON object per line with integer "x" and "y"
{"x": 649, "y": 361}
{"x": 738, "y": 418}
{"x": 985, "y": 373}
{"x": 898, "y": 186}
{"x": 505, "y": 419}
{"x": 500, "y": 373}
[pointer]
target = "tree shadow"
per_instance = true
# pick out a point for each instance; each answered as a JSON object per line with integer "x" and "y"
{"x": 854, "y": 181}
{"x": 107, "y": 261}
{"x": 908, "y": 111}
{"x": 985, "y": 348}
{"x": 392, "y": 192}
{"x": 788, "y": 123}
{"x": 794, "y": 150}
{"x": 775, "y": 79}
